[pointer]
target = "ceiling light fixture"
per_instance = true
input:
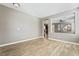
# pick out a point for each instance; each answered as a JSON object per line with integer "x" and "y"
{"x": 16, "y": 4}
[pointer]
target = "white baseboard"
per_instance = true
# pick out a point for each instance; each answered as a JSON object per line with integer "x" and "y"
{"x": 63, "y": 41}
{"x": 37, "y": 38}
{"x": 19, "y": 41}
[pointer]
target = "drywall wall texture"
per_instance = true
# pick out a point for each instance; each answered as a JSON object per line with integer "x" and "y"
{"x": 16, "y": 26}
{"x": 65, "y": 36}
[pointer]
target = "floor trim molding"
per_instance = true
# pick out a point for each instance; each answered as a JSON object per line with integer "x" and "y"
{"x": 63, "y": 41}
{"x": 19, "y": 41}
{"x": 37, "y": 38}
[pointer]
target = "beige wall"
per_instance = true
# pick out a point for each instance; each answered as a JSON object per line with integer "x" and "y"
{"x": 17, "y": 26}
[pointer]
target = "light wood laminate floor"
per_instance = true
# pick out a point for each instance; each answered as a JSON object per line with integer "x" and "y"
{"x": 40, "y": 47}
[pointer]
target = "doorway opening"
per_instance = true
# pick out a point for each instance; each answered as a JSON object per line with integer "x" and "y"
{"x": 45, "y": 28}
{"x": 46, "y": 31}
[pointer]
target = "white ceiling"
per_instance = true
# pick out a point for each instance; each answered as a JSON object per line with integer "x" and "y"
{"x": 43, "y": 9}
